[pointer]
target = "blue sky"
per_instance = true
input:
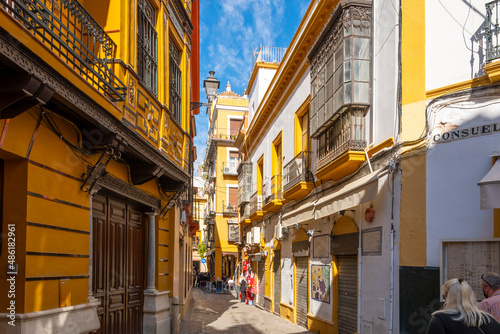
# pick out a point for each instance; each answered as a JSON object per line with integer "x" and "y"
{"x": 228, "y": 30}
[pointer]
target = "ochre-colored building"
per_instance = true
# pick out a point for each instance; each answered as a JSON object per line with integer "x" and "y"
{"x": 222, "y": 159}
{"x": 96, "y": 162}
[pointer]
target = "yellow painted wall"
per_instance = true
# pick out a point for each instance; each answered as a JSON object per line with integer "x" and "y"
{"x": 413, "y": 68}
{"x": 413, "y": 211}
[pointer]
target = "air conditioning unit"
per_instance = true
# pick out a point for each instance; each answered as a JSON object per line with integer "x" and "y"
{"x": 249, "y": 237}
{"x": 278, "y": 232}
{"x": 256, "y": 235}
{"x": 226, "y": 170}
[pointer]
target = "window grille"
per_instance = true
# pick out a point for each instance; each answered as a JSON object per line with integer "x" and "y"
{"x": 175, "y": 81}
{"x": 147, "y": 49}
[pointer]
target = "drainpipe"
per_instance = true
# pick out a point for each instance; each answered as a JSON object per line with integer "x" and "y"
{"x": 392, "y": 170}
{"x": 360, "y": 272}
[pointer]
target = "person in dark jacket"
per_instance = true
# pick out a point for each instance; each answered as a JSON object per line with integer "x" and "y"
{"x": 243, "y": 289}
{"x": 460, "y": 314}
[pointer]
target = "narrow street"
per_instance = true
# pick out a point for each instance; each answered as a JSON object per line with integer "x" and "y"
{"x": 222, "y": 313}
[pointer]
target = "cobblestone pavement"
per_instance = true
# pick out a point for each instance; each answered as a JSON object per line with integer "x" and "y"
{"x": 222, "y": 313}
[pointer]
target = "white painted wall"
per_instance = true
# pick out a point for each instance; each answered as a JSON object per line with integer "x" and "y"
{"x": 453, "y": 170}
{"x": 455, "y": 41}
{"x": 262, "y": 80}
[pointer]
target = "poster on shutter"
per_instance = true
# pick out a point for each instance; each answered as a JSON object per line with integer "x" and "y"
{"x": 287, "y": 281}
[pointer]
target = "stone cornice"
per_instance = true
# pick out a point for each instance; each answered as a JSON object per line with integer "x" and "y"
{"x": 123, "y": 188}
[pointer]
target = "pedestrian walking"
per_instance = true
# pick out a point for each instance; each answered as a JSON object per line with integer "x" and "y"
{"x": 460, "y": 314}
{"x": 243, "y": 289}
{"x": 490, "y": 284}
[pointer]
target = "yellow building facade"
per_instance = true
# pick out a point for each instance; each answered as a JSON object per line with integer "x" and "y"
{"x": 95, "y": 162}
{"x": 221, "y": 162}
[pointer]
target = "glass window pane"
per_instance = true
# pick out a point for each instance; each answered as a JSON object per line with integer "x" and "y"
{"x": 329, "y": 88}
{"x": 362, "y": 48}
{"x": 313, "y": 87}
{"x": 329, "y": 68}
{"x": 337, "y": 99}
{"x": 321, "y": 116}
{"x": 321, "y": 77}
{"x": 347, "y": 92}
{"x": 338, "y": 78}
{"x": 347, "y": 48}
{"x": 321, "y": 97}
{"x": 361, "y": 92}
{"x": 347, "y": 71}
{"x": 361, "y": 70}
{"x": 338, "y": 57}
{"x": 329, "y": 108}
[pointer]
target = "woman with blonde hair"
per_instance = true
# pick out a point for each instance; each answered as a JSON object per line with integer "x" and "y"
{"x": 460, "y": 314}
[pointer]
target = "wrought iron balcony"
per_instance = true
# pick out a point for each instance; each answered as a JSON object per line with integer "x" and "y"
{"x": 297, "y": 170}
{"x": 69, "y": 31}
{"x": 229, "y": 209}
{"x": 255, "y": 203}
{"x": 230, "y": 168}
{"x": 492, "y": 30}
{"x": 219, "y": 135}
{"x": 347, "y": 133}
{"x": 276, "y": 189}
{"x": 274, "y": 200}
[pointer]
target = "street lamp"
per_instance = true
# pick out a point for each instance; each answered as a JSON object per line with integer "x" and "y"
{"x": 211, "y": 85}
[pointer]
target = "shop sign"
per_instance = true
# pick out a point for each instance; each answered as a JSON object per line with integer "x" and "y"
{"x": 474, "y": 131}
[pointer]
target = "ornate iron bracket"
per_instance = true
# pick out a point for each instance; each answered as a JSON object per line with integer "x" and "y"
{"x": 112, "y": 151}
{"x": 196, "y": 105}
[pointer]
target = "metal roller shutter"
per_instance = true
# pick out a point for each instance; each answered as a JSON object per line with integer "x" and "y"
{"x": 302, "y": 290}
{"x": 277, "y": 281}
{"x": 348, "y": 311}
{"x": 260, "y": 289}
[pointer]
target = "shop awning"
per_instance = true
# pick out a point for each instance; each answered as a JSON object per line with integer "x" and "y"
{"x": 302, "y": 214}
{"x": 490, "y": 188}
{"x": 352, "y": 194}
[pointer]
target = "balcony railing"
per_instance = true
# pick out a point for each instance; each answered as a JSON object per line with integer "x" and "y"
{"x": 492, "y": 31}
{"x": 255, "y": 203}
{"x": 224, "y": 134}
{"x": 230, "y": 168}
{"x": 276, "y": 187}
{"x": 297, "y": 170}
{"x": 347, "y": 133}
{"x": 69, "y": 31}
{"x": 229, "y": 208}
{"x": 268, "y": 54}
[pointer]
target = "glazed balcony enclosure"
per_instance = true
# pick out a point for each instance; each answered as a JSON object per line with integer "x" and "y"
{"x": 297, "y": 177}
{"x": 340, "y": 91}
{"x": 245, "y": 188}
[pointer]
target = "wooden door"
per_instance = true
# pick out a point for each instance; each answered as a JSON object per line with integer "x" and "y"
{"x": 118, "y": 272}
